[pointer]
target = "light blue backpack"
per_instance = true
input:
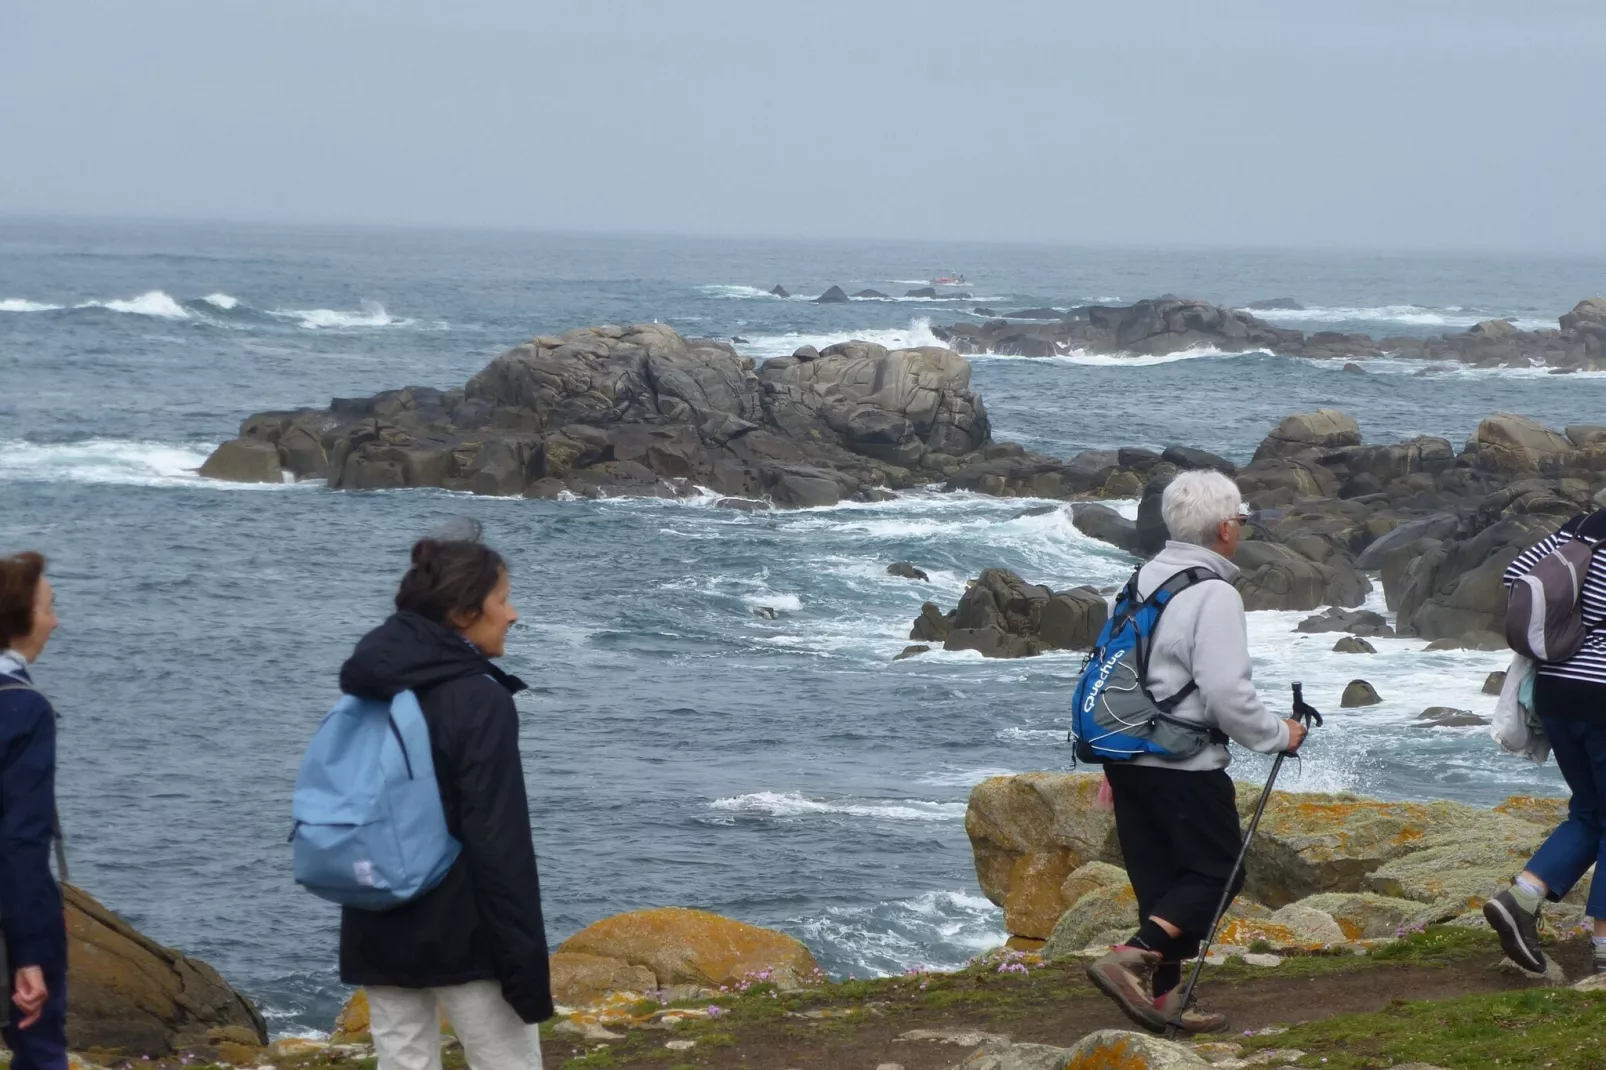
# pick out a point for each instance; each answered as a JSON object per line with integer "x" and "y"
{"x": 369, "y": 828}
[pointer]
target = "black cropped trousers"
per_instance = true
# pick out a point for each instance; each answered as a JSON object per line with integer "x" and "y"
{"x": 1180, "y": 836}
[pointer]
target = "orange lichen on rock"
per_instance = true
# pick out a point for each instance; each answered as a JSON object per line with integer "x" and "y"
{"x": 682, "y": 946}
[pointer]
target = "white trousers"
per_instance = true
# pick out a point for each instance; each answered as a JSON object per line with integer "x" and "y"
{"x": 406, "y": 1024}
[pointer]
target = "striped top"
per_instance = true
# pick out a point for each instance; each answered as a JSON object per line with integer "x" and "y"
{"x": 1589, "y": 664}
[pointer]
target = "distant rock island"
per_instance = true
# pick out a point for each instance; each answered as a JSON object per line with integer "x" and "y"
{"x": 1173, "y": 324}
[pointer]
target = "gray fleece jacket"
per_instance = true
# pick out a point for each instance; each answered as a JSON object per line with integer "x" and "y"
{"x": 1203, "y": 636}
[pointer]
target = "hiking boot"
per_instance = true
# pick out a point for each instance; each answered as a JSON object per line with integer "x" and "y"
{"x": 1124, "y": 975}
{"x": 1518, "y": 931}
{"x": 1191, "y": 1019}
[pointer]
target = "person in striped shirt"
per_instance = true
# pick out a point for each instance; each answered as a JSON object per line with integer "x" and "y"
{"x": 1570, "y": 699}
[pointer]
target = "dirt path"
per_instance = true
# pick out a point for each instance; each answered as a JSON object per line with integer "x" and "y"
{"x": 1055, "y": 1007}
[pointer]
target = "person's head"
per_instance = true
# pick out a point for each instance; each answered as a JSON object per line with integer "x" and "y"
{"x": 1205, "y": 509}
{"x": 464, "y": 585}
{"x": 27, "y": 605}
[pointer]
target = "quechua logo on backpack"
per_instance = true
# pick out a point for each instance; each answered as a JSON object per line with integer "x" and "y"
{"x": 1115, "y": 717}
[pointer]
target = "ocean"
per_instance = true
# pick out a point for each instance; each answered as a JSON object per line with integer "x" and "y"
{"x": 680, "y": 746}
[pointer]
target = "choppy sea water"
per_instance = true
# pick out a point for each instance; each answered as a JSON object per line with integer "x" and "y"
{"x": 679, "y": 747}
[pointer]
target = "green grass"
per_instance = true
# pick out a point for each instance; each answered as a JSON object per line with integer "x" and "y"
{"x": 1439, "y": 945}
{"x": 1554, "y": 1028}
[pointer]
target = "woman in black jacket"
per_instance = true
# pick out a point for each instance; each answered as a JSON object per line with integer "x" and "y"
{"x": 475, "y": 946}
{"x": 30, "y": 899}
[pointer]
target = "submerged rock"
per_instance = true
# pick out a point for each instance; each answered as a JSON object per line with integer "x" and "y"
{"x": 1448, "y": 717}
{"x": 1356, "y": 622}
{"x": 834, "y": 296}
{"x": 907, "y": 571}
{"x": 1352, "y": 644}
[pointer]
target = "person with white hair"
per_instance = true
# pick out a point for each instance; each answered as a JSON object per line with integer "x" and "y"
{"x": 1177, "y": 820}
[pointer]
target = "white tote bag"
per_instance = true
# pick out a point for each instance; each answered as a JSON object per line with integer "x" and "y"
{"x": 1516, "y": 728}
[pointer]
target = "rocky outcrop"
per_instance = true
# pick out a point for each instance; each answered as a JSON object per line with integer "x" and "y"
{"x": 1042, "y": 846}
{"x": 1107, "y": 1049}
{"x": 580, "y": 979}
{"x": 131, "y": 995}
{"x": 677, "y": 946}
{"x": 1159, "y": 326}
{"x": 641, "y": 411}
{"x": 1003, "y": 616}
{"x": 1171, "y": 324}
{"x": 244, "y": 461}
{"x": 1358, "y": 693}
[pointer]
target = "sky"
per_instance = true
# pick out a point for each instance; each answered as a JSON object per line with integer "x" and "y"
{"x": 1380, "y": 124}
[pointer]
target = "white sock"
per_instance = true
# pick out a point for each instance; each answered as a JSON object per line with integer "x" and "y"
{"x": 1527, "y": 894}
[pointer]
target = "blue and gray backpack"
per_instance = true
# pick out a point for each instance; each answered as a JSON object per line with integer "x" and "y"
{"x": 1116, "y": 717}
{"x": 369, "y": 828}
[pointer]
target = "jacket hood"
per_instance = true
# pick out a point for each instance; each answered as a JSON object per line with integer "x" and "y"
{"x": 1183, "y": 555}
{"x": 410, "y": 653}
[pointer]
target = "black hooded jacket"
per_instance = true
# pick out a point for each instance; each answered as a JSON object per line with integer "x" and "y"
{"x": 483, "y": 922}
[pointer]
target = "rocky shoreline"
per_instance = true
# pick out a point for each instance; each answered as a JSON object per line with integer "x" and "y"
{"x": 1172, "y": 324}
{"x": 611, "y": 411}
{"x": 1334, "y": 879}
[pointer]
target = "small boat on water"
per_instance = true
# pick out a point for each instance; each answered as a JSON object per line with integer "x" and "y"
{"x": 950, "y": 279}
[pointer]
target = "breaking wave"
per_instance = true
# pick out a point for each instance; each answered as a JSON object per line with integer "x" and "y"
{"x": 1406, "y": 315}
{"x": 110, "y": 461}
{"x": 371, "y": 314}
{"x": 917, "y": 334}
{"x": 150, "y": 303}
{"x": 795, "y": 804}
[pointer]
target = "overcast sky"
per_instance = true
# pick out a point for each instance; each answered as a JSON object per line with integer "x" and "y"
{"x": 1411, "y": 124}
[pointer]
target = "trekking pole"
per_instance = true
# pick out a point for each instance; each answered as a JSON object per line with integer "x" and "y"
{"x": 1308, "y": 716}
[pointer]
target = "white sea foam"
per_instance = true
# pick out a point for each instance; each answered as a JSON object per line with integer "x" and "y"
{"x": 918, "y": 333}
{"x": 110, "y": 461}
{"x": 1453, "y": 370}
{"x": 964, "y": 777}
{"x": 1081, "y": 358}
{"x": 22, "y": 304}
{"x": 1407, "y": 315}
{"x": 939, "y": 930}
{"x": 226, "y": 302}
{"x": 749, "y": 293}
{"x": 371, "y": 314}
{"x": 150, "y": 303}
{"x": 781, "y": 603}
{"x": 795, "y": 804}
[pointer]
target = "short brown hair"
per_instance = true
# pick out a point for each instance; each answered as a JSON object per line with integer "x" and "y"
{"x": 450, "y": 576}
{"x": 19, "y": 588}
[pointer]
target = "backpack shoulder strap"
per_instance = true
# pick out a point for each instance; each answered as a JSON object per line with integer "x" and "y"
{"x": 55, "y": 816}
{"x": 1173, "y": 586}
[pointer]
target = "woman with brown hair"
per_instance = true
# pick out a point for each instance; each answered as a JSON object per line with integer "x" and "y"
{"x": 473, "y": 947}
{"x": 30, "y": 899}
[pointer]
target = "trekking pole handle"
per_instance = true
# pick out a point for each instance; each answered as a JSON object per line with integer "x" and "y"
{"x": 1303, "y": 711}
